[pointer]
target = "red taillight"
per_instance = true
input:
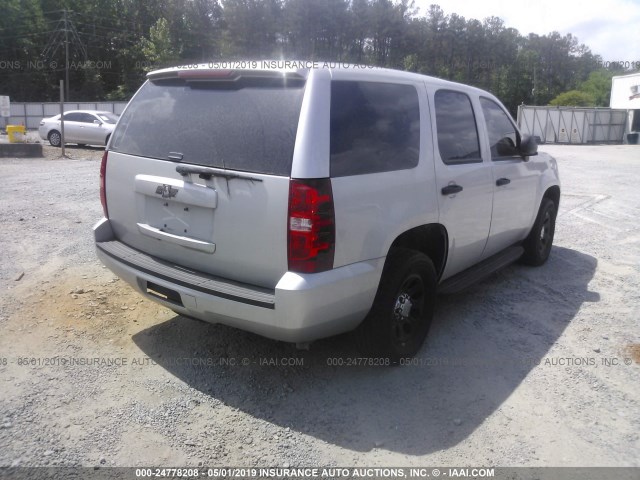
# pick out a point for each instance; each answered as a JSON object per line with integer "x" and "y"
{"x": 311, "y": 227}
{"x": 103, "y": 180}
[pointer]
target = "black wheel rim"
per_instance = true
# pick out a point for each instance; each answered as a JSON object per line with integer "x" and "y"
{"x": 408, "y": 310}
{"x": 545, "y": 233}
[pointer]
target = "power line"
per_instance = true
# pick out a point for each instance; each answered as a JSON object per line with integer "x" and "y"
{"x": 53, "y": 11}
{"x": 55, "y": 41}
{"x": 89, "y": 26}
{"x": 94, "y": 19}
{"x": 26, "y": 35}
{"x": 116, "y": 40}
{"x": 28, "y": 27}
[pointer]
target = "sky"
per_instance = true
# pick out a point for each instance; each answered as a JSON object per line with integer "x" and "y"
{"x": 610, "y": 28}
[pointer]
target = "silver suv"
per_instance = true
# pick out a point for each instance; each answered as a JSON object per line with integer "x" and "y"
{"x": 300, "y": 204}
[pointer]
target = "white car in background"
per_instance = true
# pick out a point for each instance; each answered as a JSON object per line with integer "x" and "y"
{"x": 84, "y": 127}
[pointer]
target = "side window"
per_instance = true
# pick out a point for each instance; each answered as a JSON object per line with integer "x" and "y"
{"x": 88, "y": 118}
{"x": 73, "y": 117}
{"x": 457, "y": 130}
{"x": 502, "y": 134}
{"x": 375, "y": 127}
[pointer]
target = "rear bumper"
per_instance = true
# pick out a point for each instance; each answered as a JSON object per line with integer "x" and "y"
{"x": 301, "y": 308}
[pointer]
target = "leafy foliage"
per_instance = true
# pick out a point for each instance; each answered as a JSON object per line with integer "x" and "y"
{"x": 573, "y": 98}
{"x": 113, "y": 43}
{"x": 598, "y": 86}
{"x": 594, "y": 92}
{"x": 159, "y": 48}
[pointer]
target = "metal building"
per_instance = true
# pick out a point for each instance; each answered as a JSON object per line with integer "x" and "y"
{"x": 573, "y": 125}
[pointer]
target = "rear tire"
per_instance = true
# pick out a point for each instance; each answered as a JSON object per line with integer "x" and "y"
{"x": 400, "y": 317}
{"x": 55, "y": 139}
{"x": 537, "y": 246}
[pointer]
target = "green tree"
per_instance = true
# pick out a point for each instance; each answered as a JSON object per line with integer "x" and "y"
{"x": 159, "y": 49}
{"x": 132, "y": 37}
{"x": 22, "y": 24}
{"x": 573, "y": 98}
{"x": 598, "y": 87}
{"x": 358, "y": 30}
{"x": 251, "y": 28}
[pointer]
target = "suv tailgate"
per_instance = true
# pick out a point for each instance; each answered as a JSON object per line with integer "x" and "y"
{"x": 198, "y": 174}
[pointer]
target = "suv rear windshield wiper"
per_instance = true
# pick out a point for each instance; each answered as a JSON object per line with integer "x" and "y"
{"x": 206, "y": 173}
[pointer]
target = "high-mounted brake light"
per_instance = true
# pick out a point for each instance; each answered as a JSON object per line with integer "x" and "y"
{"x": 204, "y": 74}
{"x": 311, "y": 227}
{"x": 103, "y": 183}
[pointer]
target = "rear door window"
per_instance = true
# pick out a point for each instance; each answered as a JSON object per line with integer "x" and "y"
{"x": 87, "y": 118}
{"x": 242, "y": 125}
{"x": 375, "y": 127}
{"x": 73, "y": 117}
{"x": 456, "y": 126}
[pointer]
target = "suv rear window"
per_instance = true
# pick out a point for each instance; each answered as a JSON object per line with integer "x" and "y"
{"x": 244, "y": 125}
{"x": 375, "y": 127}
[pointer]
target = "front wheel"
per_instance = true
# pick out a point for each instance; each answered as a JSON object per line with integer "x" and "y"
{"x": 537, "y": 246}
{"x": 400, "y": 317}
{"x": 55, "y": 139}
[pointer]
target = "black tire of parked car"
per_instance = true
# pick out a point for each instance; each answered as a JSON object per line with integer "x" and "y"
{"x": 55, "y": 139}
{"x": 537, "y": 245}
{"x": 400, "y": 317}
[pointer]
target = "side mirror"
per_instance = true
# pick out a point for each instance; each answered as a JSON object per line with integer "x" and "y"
{"x": 506, "y": 148}
{"x": 97, "y": 122}
{"x": 528, "y": 146}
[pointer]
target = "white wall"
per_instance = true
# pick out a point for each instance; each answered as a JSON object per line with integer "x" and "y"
{"x": 621, "y": 91}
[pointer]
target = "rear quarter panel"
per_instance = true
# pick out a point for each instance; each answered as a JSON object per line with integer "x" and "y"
{"x": 372, "y": 210}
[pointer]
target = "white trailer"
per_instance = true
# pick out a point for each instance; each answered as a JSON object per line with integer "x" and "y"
{"x": 625, "y": 94}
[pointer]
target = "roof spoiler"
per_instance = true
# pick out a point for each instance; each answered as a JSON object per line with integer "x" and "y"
{"x": 203, "y": 73}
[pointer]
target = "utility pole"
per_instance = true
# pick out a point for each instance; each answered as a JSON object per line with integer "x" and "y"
{"x": 59, "y": 37}
{"x": 66, "y": 55}
{"x": 535, "y": 90}
{"x": 62, "y": 117}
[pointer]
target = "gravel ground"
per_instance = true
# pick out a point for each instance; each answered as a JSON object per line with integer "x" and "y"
{"x": 532, "y": 367}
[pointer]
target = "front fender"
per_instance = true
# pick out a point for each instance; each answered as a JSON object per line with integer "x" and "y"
{"x": 550, "y": 174}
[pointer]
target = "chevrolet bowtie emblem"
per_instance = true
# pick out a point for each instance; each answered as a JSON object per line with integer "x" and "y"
{"x": 167, "y": 191}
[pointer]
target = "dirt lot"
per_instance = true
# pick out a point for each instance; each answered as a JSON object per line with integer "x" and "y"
{"x": 533, "y": 367}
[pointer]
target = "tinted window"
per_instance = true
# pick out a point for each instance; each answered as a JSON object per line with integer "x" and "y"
{"x": 87, "y": 118}
{"x": 502, "y": 134}
{"x": 456, "y": 126}
{"x": 73, "y": 117}
{"x": 375, "y": 127}
{"x": 248, "y": 126}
